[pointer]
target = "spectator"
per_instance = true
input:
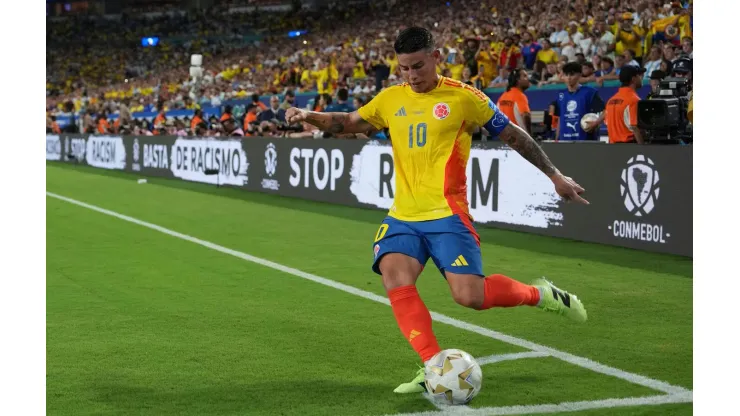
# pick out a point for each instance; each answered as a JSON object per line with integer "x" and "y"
{"x": 510, "y": 56}
{"x": 289, "y": 100}
{"x": 547, "y": 54}
{"x": 487, "y": 64}
{"x": 666, "y": 66}
{"x": 606, "y": 43}
{"x": 653, "y": 61}
{"x": 559, "y": 37}
{"x": 502, "y": 80}
{"x": 629, "y": 37}
{"x": 621, "y": 109}
{"x": 669, "y": 52}
{"x": 358, "y": 102}
{"x": 341, "y": 106}
{"x": 629, "y": 58}
{"x": 587, "y": 73}
{"x": 529, "y": 50}
{"x": 466, "y": 76}
{"x": 687, "y": 46}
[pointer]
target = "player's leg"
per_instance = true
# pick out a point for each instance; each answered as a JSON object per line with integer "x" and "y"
{"x": 457, "y": 254}
{"x": 400, "y": 254}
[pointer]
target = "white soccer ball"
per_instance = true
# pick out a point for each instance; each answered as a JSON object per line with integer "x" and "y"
{"x": 587, "y": 119}
{"x": 453, "y": 377}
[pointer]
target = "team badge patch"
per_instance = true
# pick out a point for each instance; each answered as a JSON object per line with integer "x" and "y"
{"x": 441, "y": 111}
{"x": 376, "y": 249}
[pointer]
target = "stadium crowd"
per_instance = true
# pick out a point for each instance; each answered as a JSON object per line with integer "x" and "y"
{"x": 98, "y": 67}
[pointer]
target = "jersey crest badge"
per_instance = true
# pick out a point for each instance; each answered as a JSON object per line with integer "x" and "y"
{"x": 441, "y": 111}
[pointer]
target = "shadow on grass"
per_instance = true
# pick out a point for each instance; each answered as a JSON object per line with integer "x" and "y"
{"x": 619, "y": 256}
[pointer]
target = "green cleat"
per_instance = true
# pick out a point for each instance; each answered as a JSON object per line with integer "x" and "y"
{"x": 414, "y": 386}
{"x": 559, "y": 301}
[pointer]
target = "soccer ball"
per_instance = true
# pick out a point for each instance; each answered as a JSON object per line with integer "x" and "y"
{"x": 453, "y": 377}
{"x": 588, "y": 118}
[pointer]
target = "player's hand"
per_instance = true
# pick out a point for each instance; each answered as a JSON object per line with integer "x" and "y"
{"x": 568, "y": 189}
{"x": 295, "y": 115}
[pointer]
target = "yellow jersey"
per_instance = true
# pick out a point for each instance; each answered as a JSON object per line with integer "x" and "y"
{"x": 431, "y": 137}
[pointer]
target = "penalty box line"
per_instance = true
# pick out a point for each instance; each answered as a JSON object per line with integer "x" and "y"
{"x": 564, "y": 356}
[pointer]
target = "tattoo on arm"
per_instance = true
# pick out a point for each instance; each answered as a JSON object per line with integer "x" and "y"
{"x": 523, "y": 143}
{"x": 337, "y": 123}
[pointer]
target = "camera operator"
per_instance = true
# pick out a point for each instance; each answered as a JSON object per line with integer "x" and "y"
{"x": 230, "y": 126}
{"x": 655, "y": 77}
{"x": 273, "y": 117}
{"x": 621, "y": 109}
{"x": 683, "y": 68}
{"x": 251, "y": 123}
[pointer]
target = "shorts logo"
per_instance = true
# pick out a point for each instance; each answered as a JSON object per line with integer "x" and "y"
{"x": 441, "y": 111}
{"x": 460, "y": 261}
{"x": 376, "y": 249}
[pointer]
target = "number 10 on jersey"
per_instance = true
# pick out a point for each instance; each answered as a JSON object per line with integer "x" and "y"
{"x": 421, "y": 135}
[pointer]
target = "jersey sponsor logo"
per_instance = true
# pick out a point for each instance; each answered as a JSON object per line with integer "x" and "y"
{"x": 106, "y": 152}
{"x": 441, "y": 111}
{"x": 639, "y": 188}
{"x": 271, "y": 164}
{"x": 316, "y": 168}
{"x": 501, "y": 187}
{"x": 53, "y": 147}
{"x": 376, "y": 250}
{"x": 212, "y": 161}
{"x": 401, "y": 112}
{"x": 571, "y": 106}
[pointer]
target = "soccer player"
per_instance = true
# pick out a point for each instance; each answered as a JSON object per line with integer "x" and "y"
{"x": 430, "y": 120}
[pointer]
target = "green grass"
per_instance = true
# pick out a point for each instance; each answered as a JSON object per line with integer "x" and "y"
{"x": 141, "y": 322}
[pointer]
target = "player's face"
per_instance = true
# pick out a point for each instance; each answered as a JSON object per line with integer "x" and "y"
{"x": 419, "y": 69}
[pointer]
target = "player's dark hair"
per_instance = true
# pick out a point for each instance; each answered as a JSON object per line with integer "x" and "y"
{"x": 572, "y": 68}
{"x": 413, "y": 39}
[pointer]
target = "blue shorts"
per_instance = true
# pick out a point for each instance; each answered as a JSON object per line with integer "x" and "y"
{"x": 451, "y": 242}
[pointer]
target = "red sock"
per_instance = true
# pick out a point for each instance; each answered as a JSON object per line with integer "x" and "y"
{"x": 414, "y": 320}
{"x": 503, "y": 292}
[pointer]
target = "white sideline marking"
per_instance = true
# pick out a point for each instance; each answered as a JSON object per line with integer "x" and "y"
{"x": 673, "y": 391}
{"x": 561, "y": 407}
{"x": 490, "y": 359}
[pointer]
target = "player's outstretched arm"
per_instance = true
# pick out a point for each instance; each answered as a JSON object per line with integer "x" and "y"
{"x": 523, "y": 143}
{"x": 336, "y": 123}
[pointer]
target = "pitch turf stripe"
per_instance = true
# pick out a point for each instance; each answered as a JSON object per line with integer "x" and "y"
{"x": 561, "y": 407}
{"x": 508, "y": 357}
{"x": 570, "y": 358}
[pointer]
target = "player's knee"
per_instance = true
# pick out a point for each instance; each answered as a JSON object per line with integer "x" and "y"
{"x": 398, "y": 270}
{"x": 468, "y": 296}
